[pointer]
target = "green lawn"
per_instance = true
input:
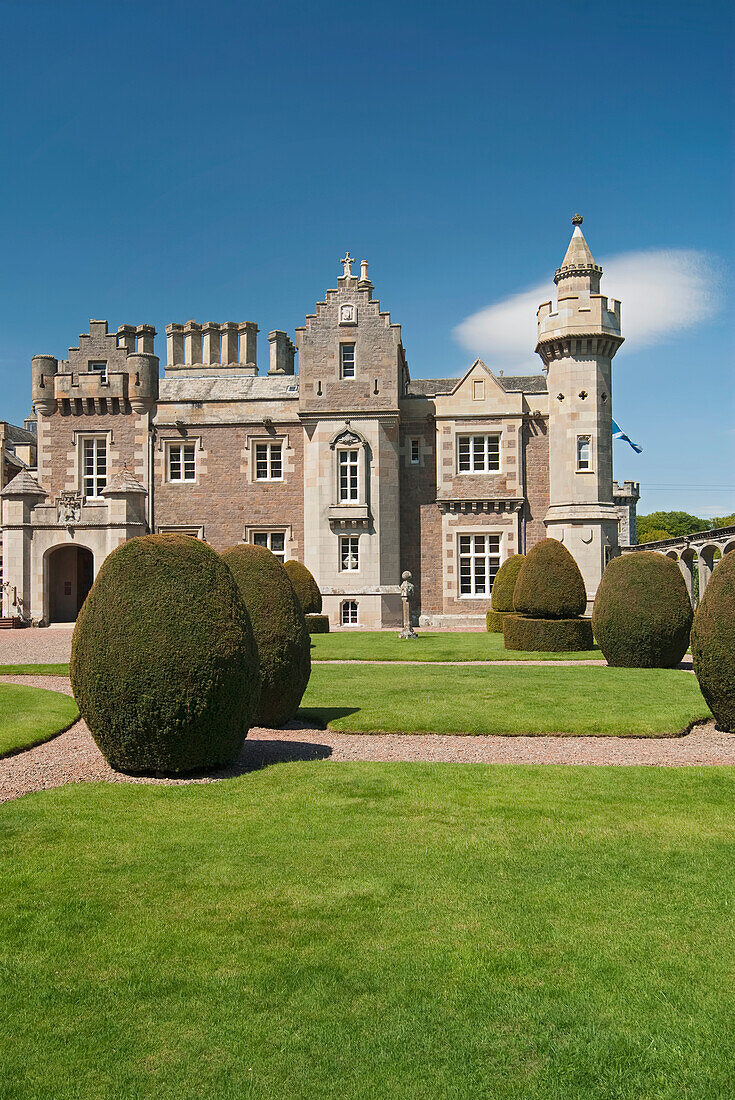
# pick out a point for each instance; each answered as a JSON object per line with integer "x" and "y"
{"x": 510, "y": 700}
{"x": 34, "y": 670}
{"x": 29, "y": 715}
{"x": 356, "y": 931}
{"x": 385, "y": 645}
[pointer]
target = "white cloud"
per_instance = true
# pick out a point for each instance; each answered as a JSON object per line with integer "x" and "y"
{"x": 662, "y": 292}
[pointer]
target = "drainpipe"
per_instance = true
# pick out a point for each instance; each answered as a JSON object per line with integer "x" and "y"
{"x": 151, "y": 467}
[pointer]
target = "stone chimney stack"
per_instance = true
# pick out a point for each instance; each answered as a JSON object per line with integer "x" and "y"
{"x": 282, "y": 353}
{"x": 248, "y": 331}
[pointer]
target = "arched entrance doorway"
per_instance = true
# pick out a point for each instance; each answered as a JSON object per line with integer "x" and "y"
{"x": 70, "y": 575}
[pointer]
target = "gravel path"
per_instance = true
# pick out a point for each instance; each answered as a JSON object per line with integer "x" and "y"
{"x": 73, "y": 757}
{"x": 29, "y": 646}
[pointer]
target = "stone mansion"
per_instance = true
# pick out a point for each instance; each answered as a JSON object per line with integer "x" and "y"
{"x": 349, "y": 465}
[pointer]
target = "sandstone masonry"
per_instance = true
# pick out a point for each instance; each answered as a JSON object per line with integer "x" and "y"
{"x": 349, "y": 466}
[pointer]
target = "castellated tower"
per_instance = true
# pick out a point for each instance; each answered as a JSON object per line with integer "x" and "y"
{"x": 577, "y": 340}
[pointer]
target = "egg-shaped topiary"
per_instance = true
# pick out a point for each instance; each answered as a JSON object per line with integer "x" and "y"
{"x": 501, "y": 598}
{"x": 164, "y": 666}
{"x": 305, "y": 587}
{"x": 642, "y": 614}
{"x": 713, "y": 643}
{"x": 549, "y": 584}
{"x": 279, "y": 628}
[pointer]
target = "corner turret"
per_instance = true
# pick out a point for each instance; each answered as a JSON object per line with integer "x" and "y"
{"x": 578, "y": 337}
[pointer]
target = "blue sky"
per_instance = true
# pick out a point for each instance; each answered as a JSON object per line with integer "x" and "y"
{"x": 172, "y": 160}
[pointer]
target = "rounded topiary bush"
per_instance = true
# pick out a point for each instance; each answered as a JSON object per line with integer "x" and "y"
{"x": 642, "y": 614}
{"x": 164, "y": 666}
{"x": 317, "y": 624}
{"x": 305, "y": 587}
{"x": 713, "y": 643}
{"x": 279, "y": 628}
{"x": 546, "y": 635}
{"x": 501, "y": 598}
{"x": 549, "y": 584}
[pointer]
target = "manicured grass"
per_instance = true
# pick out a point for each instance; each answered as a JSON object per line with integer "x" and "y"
{"x": 34, "y": 670}
{"x": 29, "y": 715}
{"x": 510, "y": 700}
{"x": 385, "y": 645}
{"x": 354, "y": 931}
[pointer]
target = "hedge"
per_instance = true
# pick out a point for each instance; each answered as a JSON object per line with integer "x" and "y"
{"x": 494, "y": 621}
{"x": 549, "y": 583}
{"x": 280, "y": 631}
{"x": 546, "y": 635}
{"x": 642, "y": 614}
{"x": 317, "y": 624}
{"x": 713, "y": 643}
{"x": 305, "y": 587}
{"x": 501, "y": 598}
{"x": 164, "y": 666}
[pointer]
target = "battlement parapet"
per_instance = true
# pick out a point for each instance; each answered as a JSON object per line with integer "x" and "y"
{"x": 194, "y": 347}
{"x": 579, "y": 314}
{"x": 628, "y": 491}
{"x": 104, "y": 373}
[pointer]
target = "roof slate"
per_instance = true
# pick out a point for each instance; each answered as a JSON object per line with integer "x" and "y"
{"x": 278, "y": 387}
{"x": 24, "y": 484}
{"x": 511, "y": 383}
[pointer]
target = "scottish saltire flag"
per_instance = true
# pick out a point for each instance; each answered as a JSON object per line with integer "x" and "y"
{"x": 618, "y": 433}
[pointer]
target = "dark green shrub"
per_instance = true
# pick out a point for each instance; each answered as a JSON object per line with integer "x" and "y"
{"x": 164, "y": 666}
{"x": 642, "y": 614}
{"x": 713, "y": 643}
{"x": 504, "y": 584}
{"x": 279, "y": 628}
{"x": 317, "y": 624}
{"x": 494, "y": 621}
{"x": 546, "y": 635}
{"x": 549, "y": 584}
{"x": 305, "y": 587}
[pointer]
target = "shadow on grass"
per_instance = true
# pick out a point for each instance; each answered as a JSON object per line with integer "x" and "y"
{"x": 320, "y": 717}
{"x": 254, "y": 755}
{"x": 261, "y": 754}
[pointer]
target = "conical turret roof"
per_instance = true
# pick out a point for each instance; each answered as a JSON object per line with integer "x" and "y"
{"x": 24, "y": 484}
{"x": 124, "y": 482}
{"x": 578, "y": 259}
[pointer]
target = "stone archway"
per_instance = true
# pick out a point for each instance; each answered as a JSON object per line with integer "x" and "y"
{"x": 69, "y": 578}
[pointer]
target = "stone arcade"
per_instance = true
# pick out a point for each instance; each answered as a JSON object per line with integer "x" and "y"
{"x": 350, "y": 465}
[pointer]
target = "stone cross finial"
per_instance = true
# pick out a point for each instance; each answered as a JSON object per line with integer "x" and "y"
{"x": 348, "y": 262}
{"x": 577, "y": 219}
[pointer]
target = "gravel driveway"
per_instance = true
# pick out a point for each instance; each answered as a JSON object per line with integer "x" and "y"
{"x": 73, "y": 757}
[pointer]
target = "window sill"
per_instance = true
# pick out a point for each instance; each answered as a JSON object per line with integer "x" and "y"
{"x": 348, "y": 510}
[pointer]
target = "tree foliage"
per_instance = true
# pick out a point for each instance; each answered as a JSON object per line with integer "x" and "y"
{"x": 674, "y": 524}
